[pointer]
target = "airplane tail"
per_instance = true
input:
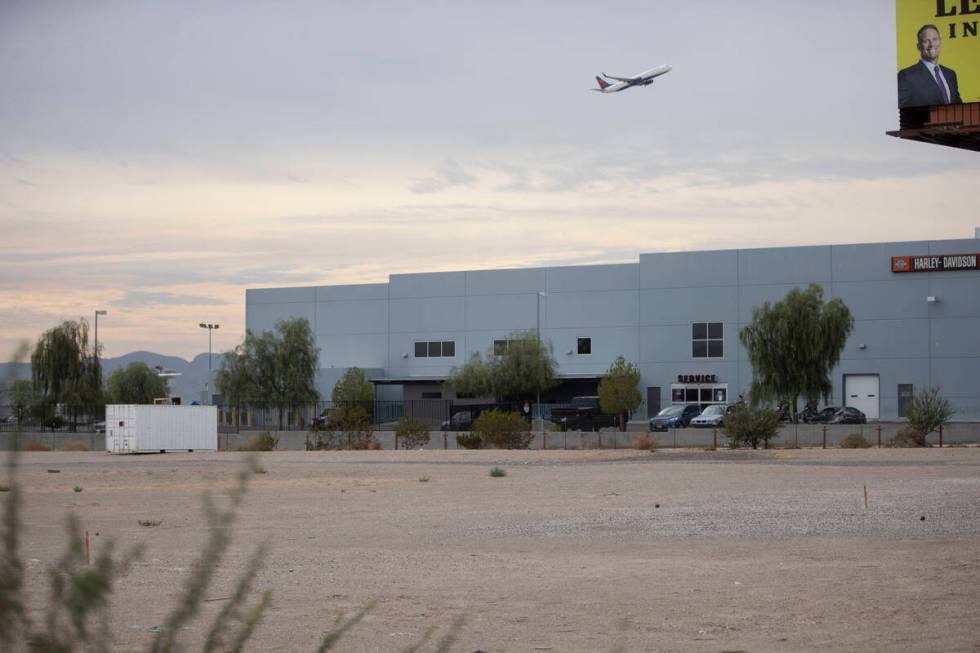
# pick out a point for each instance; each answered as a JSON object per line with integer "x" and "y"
{"x": 602, "y": 84}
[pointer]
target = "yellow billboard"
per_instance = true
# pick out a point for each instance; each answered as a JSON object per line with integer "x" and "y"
{"x": 938, "y": 52}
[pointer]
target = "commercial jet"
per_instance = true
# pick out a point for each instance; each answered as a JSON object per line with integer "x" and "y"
{"x": 622, "y": 83}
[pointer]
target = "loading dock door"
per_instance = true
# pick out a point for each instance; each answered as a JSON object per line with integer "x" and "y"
{"x": 861, "y": 392}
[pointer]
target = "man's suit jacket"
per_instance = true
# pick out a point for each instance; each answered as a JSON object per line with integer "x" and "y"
{"x": 917, "y": 87}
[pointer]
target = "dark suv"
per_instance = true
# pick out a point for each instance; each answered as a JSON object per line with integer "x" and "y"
{"x": 460, "y": 421}
{"x": 677, "y": 416}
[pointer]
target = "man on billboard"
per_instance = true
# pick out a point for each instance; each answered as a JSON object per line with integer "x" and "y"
{"x": 926, "y": 83}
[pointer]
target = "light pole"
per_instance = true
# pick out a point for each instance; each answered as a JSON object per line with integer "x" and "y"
{"x": 207, "y": 384}
{"x": 537, "y": 327}
{"x": 98, "y": 312}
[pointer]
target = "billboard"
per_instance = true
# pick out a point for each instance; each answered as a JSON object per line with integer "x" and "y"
{"x": 938, "y": 52}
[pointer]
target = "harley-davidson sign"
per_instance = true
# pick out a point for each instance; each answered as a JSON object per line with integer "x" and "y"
{"x": 943, "y": 263}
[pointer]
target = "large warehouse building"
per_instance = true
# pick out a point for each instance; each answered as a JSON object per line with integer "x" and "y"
{"x": 677, "y": 315}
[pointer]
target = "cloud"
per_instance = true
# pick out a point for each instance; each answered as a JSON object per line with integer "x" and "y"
{"x": 142, "y": 298}
{"x": 449, "y": 173}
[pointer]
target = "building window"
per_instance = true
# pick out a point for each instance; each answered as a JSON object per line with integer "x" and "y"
{"x": 435, "y": 349}
{"x": 707, "y": 340}
{"x": 584, "y": 346}
{"x": 432, "y": 395}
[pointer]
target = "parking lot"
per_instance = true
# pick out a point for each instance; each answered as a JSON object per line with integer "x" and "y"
{"x": 675, "y": 550}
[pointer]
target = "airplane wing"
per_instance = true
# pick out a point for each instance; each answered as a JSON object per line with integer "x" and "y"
{"x": 629, "y": 80}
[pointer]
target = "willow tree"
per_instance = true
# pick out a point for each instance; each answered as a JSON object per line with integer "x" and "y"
{"x": 65, "y": 371}
{"x": 234, "y": 381}
{"x": 520, "y": 369}
{"x": 282, "y": 366}
{"x": 794, "y": 345}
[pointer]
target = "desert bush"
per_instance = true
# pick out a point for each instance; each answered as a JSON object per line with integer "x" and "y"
{"x": 347, "y": 428}
{"x": 854, "y": 441}
{"x": 644, "y": 442}
{"x": 907, "y": 438}
{"x": 927, "y": 411}
{"x": 750, "y": 425}
{"x": 74, "y": 445}
{"x": 31, "y": 445}
{"x": 502, "y": 430}
{"x": 263, "y": 441}
{"x": 497, "y": 472}
{"x": 411, "y": 432}
{"x": 469, "y": 441}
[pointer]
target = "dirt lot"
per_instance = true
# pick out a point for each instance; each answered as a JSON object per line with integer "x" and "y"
{"x": 747, "y": 551}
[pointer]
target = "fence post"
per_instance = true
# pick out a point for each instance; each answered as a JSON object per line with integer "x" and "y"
{"x": 598, "y": 436}
{"x": 445, "y": 440}
{"x": 544, "y": 439}
{"x": 879, "y": 436}
{"x": 940, "y": 436}
{"x": 824, "y": 429}
{"x": 396, "y": 440}
{"x": 714, "y": 438}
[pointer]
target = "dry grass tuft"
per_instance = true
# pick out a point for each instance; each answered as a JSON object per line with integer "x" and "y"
{"x": 31, "y": 445}
{"x": 149, "y": 523}
{"x": 854, "y": 441}
{"x": 908, "y": 438}
{"x": 644, "y": 442}
{"x": 74, "y": 445}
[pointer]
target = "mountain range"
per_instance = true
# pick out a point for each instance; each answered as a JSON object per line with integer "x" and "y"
{"x": 189, "y": 385}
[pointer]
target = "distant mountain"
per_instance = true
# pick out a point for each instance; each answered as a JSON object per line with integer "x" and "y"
{"x": 189, "y": 385}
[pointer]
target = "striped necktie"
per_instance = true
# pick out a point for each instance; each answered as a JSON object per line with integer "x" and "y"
{"x": 942, "y": 86}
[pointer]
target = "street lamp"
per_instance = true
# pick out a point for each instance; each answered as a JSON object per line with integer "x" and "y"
{"x": 210, "y": 327}
{"x": 98, "y": 312}
{"x": 537, "y": 327}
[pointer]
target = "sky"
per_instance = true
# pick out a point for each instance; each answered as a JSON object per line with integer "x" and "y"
{"x": 158, "y": 158}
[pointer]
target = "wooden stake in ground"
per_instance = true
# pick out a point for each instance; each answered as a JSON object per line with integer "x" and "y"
{"x": 865, "y": 496}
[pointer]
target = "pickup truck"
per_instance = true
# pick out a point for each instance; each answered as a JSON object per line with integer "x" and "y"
{"x": 584, "y": 414}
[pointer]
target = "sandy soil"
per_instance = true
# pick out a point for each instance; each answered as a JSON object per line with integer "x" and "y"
{"x": 570, "y": 551}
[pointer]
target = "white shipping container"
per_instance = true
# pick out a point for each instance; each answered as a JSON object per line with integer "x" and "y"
{"x": 132, "y": 428}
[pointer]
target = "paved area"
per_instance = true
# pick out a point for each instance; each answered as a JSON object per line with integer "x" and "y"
{"x": 570, "y": 551}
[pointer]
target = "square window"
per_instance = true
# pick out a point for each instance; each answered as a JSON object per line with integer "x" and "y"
{"x": 714, "y": 329}
{"x": 705, "y": 395}
{"x": 700, "y": 349}
{"x": 715, "y": 348}
{"x": 585, "y": 345}
{"x": 677, "y": 395}
{"x": 699, "y": 330}
{"x": 449, "y": 348}
{"x": 435, "y": 349}
{"x": 691, "y": 395}
{"x": 721, "y": 395}
{"x": 421, "y": 349}
{"x": 432, "y": 395}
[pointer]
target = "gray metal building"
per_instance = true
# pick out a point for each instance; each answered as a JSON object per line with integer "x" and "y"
{"x": 676, "y": 315}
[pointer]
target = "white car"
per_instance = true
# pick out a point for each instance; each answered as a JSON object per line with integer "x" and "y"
{"x": 710, "y": 417}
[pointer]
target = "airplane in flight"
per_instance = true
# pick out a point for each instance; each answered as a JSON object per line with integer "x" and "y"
{"x": 622, "y": 83}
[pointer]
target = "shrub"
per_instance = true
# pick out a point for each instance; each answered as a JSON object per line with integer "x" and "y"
{"x": 497, "y": 472}
{"x": 750, "y": 425}
{"x": 502, "y": 430}
{"x": 469, "y": 441}
{"x": 927, "y": 411}
{"x": 264, "y": 441}
{"x": 854, "y": 441}
{"x": 77, "y": 488}
{"x": 907, "y": 438}
{"x": 348, "y": 428}
{"x": 644, "y": 442}
{"x": 4, "y": 488}
{"x": 411, "y": 432}
{"x": 74, "y": 445}
{"x": 31, "y": 445}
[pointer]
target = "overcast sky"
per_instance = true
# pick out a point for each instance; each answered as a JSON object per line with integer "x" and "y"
{"x": 158, "y": 158}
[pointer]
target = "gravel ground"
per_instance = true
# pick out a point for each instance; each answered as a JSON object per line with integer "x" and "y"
{"x": 570, "y": 551}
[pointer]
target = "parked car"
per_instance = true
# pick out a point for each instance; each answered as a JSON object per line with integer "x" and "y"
{"x": 677, "y": 416}
{"x": 712, "y": 416}
{"x": 822, "y": 416}
{"x": 848, "y": 415}
{"x": 584, "y": 414}
{"x": 460, "y": 421}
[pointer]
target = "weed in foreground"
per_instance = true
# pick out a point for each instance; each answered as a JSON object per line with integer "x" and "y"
{"x": 77, "y": 488}
{"x": 497, "y": 472}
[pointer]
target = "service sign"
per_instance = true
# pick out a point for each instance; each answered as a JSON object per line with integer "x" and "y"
{"x": 940, "y": 263}
{"x": 941, "y": 33}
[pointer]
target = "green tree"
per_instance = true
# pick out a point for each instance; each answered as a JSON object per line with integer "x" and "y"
{"x": 135, "y": 384}
{"x": 794, "y": 344}
{"x": 928, "y": 410}
{"x": 234, "y": 381}
{"x": 525, "y": 367}
{"x": 353, "y": 388}
{"x": 282, "y": 366}
{"x": 618, "y": 392}
{"x": 21, "y": 399}
{"x": 65, "y": 371}
{"x": 502, "y": 430}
